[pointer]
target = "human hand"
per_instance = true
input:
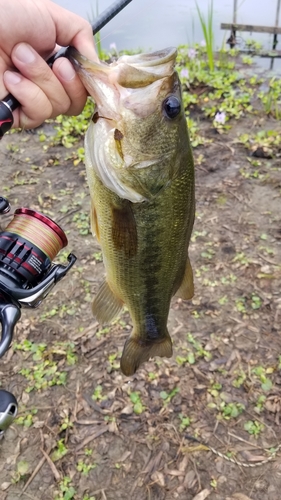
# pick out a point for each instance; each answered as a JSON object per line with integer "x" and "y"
{"x": 29, "y": 33}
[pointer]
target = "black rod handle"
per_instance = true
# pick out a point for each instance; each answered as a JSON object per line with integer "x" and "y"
{"x": 10, "y": 103}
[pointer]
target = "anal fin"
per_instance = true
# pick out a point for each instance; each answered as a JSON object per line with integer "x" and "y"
{"x": 186, "y": 289}
{"x": 106, "y": 305}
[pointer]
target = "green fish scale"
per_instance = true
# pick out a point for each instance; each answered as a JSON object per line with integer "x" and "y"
{"x": 146, "y": 281}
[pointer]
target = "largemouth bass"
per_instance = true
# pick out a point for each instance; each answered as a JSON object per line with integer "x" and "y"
{"x": 141, "y": 178}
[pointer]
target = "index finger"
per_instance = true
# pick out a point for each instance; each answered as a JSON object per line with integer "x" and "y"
{"x": 73, "y": 30}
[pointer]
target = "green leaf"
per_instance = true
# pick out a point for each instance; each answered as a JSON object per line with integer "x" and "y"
{"x": 22, "y": 467}
{"x": 267, "y": 385}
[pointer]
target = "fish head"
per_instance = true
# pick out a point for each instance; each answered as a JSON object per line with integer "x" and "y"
{"x": 139, "y": 126}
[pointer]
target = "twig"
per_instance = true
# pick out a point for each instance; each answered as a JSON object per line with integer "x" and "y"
{"x": 71, "y": 212}
{"x": 225, "y": 145}
{"x": 245, "y": 441}
{"x": 267, "y": 260}
{"x": 196, "y": 473}
{"x": 52, "y": 465}
{"x": 36, "y": 470}
{"x": 29, "y": 496}
{"x": 93, "y": 436}
{"x": 86, "y": 331}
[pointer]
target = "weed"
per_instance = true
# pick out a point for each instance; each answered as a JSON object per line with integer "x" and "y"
{"x": 66, "y": 491}
{"x": 26, "y": 419}
{"x": 230, "y": 410}
{"x": 200, "y": 351}
{"x": 214, "y": 483}
{"x": 240, "y": 305}
{"x": 21, "y": 471}
{"x": 207, "y": 28}
{"x": 136, "y": 400}
{"x": 260, "y": 404}
{"x": 60, "y": 451}
{"x": 85, "y": 468}
{"x": 43, "y": 375}
{"x": 70, "y": 129}
{"x": 114, "y": 365}
{"x": 240, "y": 378}
{"x": 185, "y": 422}
{"x": 261, "y": 373}
{"x": 253, "y": 427}
{"x": 167, "y": 397}
{"x": 82, "y": 222}
{"x": 98, "y": 256}
{"x": 247, "y": 60}
{"x": 66, "y": 424}
{"x": 97, "y": 395}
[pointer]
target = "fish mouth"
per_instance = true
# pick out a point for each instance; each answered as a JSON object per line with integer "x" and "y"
{"x": 109, "y": 84}
{"x": 159, "y": 63}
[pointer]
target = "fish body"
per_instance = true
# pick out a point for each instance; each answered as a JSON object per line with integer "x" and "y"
{"x": 141, "y": 178}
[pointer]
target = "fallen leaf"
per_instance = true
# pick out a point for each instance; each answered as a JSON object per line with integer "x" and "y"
{"x": 238, "y": 496}
{"x": 5, "y": 486}
{"x": 158, "y": 477}
{"x": 202, "y": 495}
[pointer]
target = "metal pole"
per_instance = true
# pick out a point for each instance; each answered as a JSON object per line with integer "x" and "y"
{"x": 275, "y": 41}
{"x": 235, "y": 11}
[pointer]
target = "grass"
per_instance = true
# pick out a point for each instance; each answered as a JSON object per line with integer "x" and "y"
{"x": 207, "y": 28}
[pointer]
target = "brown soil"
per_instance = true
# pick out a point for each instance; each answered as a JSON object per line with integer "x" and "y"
{"x": 234, "y": 322}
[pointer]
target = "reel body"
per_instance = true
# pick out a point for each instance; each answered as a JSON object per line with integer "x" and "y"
{"x": 28, "y": 247}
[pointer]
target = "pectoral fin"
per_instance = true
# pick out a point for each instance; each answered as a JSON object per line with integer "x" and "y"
{"x": 106, "y": 305}
{"x": 124, "y": 230}
{"x": 186, "y": 289}
{"x": 94, "y": 222}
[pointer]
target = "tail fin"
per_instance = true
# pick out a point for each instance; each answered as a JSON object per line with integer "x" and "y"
{"x": 136, "y": 352}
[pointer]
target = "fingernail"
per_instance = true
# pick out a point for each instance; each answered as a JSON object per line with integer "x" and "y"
{"x": 66, "y": 70}
{"x": 25, "y": 53}
{"x": 12, "y": 78}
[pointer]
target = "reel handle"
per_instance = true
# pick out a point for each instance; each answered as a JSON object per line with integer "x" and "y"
{"x": 9, "y": 316}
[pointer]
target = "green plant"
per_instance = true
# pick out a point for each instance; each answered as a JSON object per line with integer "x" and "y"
{"x": 85, "y": 468}
{"x": 60, "y": 451}
{"x": 247, "y": 60}
{"x": 136, "y": 400}
{"x": 185, "y": 422}
{"x": 22, "y": 471}
{"x": 26, "y": 419}
{"x": 66, "y": 491}
{"x": 262, "y": 373}
{"x": 240, "y": 378}
{"x": 97, "y": 395}
{"x": 168, "y": 396}
{"x": 70, "y": 129}
{"x": 207, "y": 28}
{"x": 260, "y": 404}
{"x": 230, "y": 410}
{"x": 253, "y": 427}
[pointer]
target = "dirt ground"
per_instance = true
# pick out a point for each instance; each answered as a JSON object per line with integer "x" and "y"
{"x": 85, "y": 431}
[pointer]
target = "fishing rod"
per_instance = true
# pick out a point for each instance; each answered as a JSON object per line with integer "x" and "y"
{"x": 10, "y": 103}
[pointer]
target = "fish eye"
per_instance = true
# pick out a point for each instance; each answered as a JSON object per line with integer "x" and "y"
{"x": 172, "y": 106}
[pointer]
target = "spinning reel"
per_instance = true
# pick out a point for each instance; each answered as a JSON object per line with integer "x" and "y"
{"x": 28, "y": 246}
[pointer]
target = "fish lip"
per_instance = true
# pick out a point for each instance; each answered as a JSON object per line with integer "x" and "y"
{"x": 143, "y": 61}
{"x": 156, "y": 58}
{"x": 82, "y": 63}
